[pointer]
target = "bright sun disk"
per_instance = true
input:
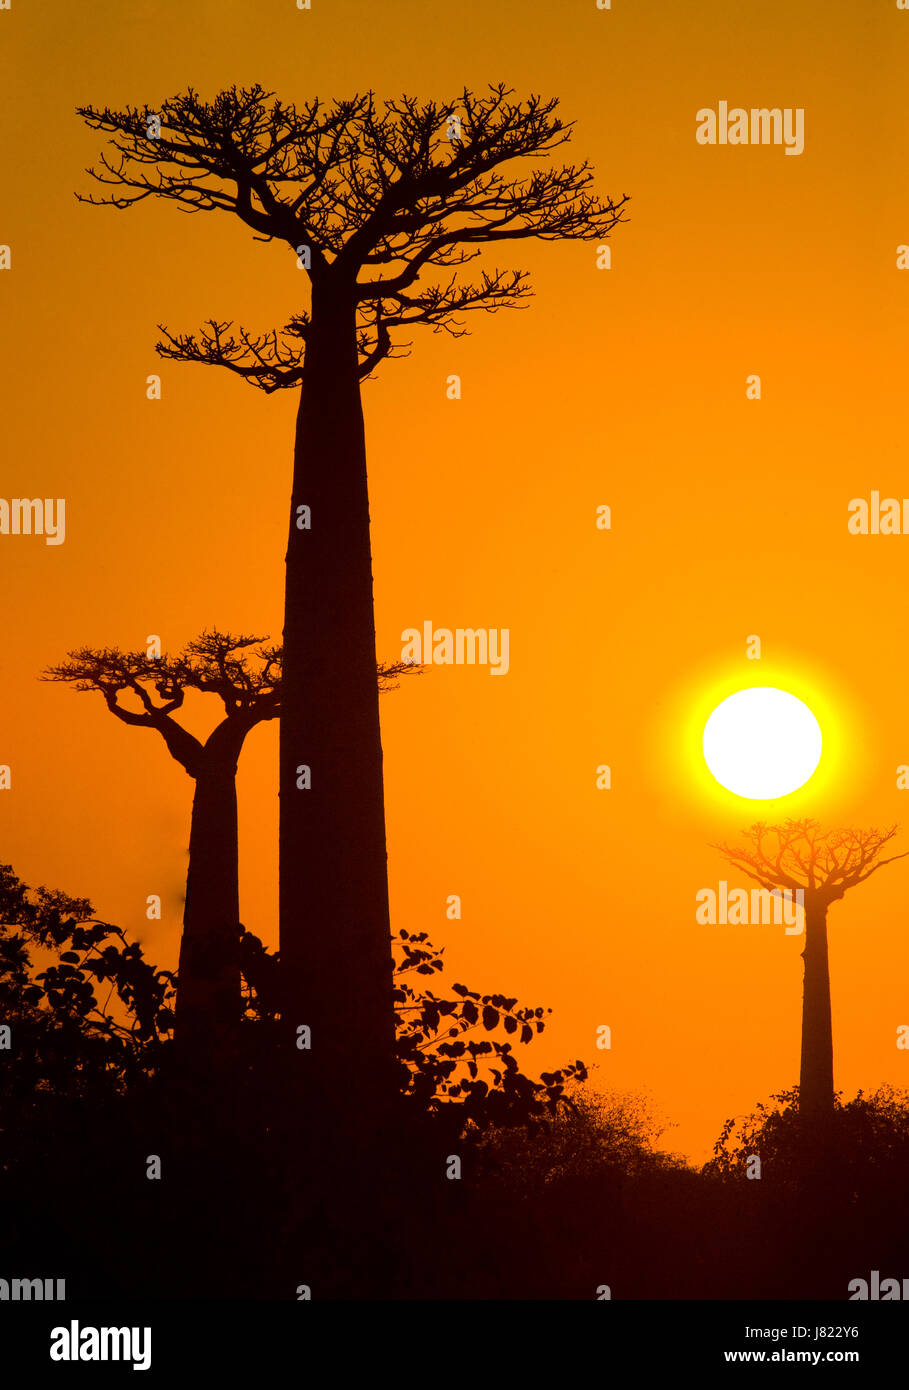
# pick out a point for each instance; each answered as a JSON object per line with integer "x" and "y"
{"x": 762, "y": 743}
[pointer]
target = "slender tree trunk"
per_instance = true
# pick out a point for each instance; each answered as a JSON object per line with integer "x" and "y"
{"x": 208, "y": 991}
{"x": 816, "y": 1078}
{"x": 206, "y": 1106}
{"x": 334, "y": 922}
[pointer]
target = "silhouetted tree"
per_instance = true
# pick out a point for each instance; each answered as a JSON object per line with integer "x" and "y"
{"x": 248, "y": 686}
{"x": 372, "y": 199}
{"x": 798, "y": 857}
{"x": 146, "y": 692}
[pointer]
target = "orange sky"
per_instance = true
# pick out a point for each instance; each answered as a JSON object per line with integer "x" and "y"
{"x": 624, "y": 387}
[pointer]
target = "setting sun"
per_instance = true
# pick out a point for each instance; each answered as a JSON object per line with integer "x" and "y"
{"x": 762, "y": 743}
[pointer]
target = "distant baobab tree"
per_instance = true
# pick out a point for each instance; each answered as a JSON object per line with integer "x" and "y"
{"x": 146, "y": 692}
{"x": 824, "y": 865}
{"x": 371, "y": 198}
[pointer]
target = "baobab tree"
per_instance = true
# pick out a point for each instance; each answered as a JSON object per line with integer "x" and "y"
{"x": 798, "y": 856}
{"x": 147, "y": 692}
{"x": 383, "y": 205}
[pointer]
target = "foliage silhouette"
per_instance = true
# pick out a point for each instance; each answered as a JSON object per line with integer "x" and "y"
{"x": 65, "y": 1040}
{"x": 105, "y": 1078}
{"x": 816, "y": 1230}
{"x": 872, "y": 1137}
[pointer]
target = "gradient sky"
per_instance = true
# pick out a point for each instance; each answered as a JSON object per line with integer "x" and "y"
{"x": 624, "y": 387}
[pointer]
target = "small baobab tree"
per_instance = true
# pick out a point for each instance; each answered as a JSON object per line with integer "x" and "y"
{"x": 382, "y": 205}
{"x": 798, "y": 857}
{"x": 146, "y": 692}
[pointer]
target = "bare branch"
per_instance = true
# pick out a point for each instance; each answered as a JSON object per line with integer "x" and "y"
{"x": 240, "y": 669}
{"x": 364, "y": 187}
{"x": 824, "y": 864}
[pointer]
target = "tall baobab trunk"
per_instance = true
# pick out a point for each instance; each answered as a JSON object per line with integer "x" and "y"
{"x": 208, "y": 989}
{"x": 334, "y": 923}
{"x": 816, "y": 1077}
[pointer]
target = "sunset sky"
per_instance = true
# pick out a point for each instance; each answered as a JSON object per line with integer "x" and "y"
{"x": 623, "y": 387}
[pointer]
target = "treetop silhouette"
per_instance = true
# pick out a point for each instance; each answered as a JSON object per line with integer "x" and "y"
{"x": 799, "y": 855}
{"x": 215, "y": 663}
{"x": 247, "y": 682}
{"x": 353, "y": 186}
